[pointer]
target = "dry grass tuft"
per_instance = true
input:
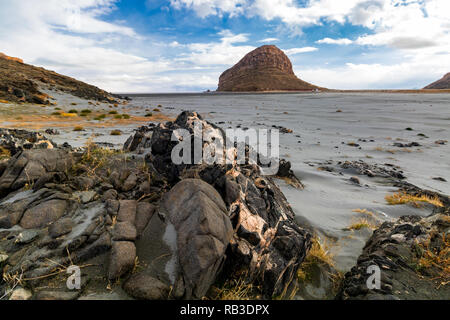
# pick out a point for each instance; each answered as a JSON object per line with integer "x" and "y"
{"x": 237, "y": 289}
{"x": 364, "y": 211}
{"x": 4, "y": 153}
{"x": 68, "y": 115}
{"x": 416, "y": 201}
{"x": 437, "y": 259}
{"x": 362, "y": 223}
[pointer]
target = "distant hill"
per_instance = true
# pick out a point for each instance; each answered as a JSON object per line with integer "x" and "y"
{"x": 443, "y": 83}
{"x": 20, "y": 82}
{"x": 266, "y": 68}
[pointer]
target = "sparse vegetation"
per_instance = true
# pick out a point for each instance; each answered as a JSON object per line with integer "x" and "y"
{"x": 100, "y": 117}
{"x": 68, "y": 114}
{"x": 319, "y": 255}
{"x": 364, "y": 211}
{"x": 126, "y": 116}
{"x": 116, "y": 133}
{"x": 435, "y": 261}
{"x": 118, "y": 116}
{"x": 362, "y": 223}
{"x": 4, "y": 153}
{"x": 415, "y": 200}
{"x": 237, "y": 289}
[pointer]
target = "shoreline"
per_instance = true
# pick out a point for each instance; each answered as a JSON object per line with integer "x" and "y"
{"x": 217, "y": 93}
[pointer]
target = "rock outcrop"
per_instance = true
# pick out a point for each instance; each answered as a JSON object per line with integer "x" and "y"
{"x": 412, "y": 254}
{"x": 443, "y": 83}
{"x": 167, "y": 231}
{"x": 20, "y": 82}
{"x": 267, "y": 243}
{"x": 266, "y": 68}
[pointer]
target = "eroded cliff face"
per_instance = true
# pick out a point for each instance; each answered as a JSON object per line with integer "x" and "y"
{"x": 266, "y": 68}
{"x": 443, "y": 83}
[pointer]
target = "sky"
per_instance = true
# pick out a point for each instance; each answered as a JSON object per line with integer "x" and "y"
{"x": 137, "y": 46}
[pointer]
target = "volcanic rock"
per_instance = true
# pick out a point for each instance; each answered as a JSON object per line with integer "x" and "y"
{"x": 443, "y": 83}
{"x": 266, "y": 68}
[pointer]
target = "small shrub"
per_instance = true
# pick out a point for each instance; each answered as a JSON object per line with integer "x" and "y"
{"x": 126, "y": 116}
{"x": 362, "y": 223}
{"x": 4, "y": 153}
{"x": 73, "y": 111}
{"x": 118, "y": 116}
{"x": 113, "y": 112}
{"x": 149, "y": 114}
{"x": 68, "y": 114}
{"x": 86, "y": 111}
{"x": 415, "y": 200}
{"x": 74, "y": 104}
{"x": 156, "y": 110}
{"x": 56, "y": 113}
{"x": 116, "y": 133}
{"x": 78, "y": 129}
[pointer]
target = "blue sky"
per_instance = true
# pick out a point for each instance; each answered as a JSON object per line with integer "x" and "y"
{"x": 184, "y": 45}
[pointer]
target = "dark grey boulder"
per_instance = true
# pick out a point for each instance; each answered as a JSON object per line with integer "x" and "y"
{"x": 127, "y": 211}
{"x": 60, "y": 227}
{"x": 204, "y": 231}
{"x": 43, "y": 214}
{"x": 124, "y": 231}
{"x": 145, "y": 287}
{"x": 122, "y": 259}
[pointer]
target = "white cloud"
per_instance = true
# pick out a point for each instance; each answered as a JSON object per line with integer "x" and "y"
{"x": 269, "y": 40}
{"x": 414, "y": 73}
{"x": 299, "y": 50}
{"x": 72, "y": 38}
{"x": 225, "y": 52}
{"x": 404, "y": 24}
{"x": 343, "y": 41}
{"x": 206, "y": 8}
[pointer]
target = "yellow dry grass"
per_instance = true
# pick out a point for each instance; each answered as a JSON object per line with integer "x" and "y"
{"x": 362, "y": 223}
{"x": 438, "y": 259}
{"x": 364, "y": 211}
{"x": 415, "y": 200}
{"x": 67, "y": 120}
{"x": 237, "y": 289}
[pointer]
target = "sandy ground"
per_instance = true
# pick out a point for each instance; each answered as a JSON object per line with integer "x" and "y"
{"x": 40, "y": 118}
{"x": 326, "y": 127}
{"x": 323, "y": 127}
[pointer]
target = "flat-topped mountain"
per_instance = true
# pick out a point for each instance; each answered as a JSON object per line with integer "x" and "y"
{"x": 20, "y": 82}
{"x": 266, "y": 68}
{"x": 443, "y": 83}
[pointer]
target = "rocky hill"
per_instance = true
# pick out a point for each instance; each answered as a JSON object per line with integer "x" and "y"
{"x": 20, "y": 82}
{"x": 443, "y": 83}
{"x": 266, "y": 68}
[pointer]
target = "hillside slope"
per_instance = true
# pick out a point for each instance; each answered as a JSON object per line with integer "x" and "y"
{"x": 20, "y": 82}
{"x": 443, "y": 83}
